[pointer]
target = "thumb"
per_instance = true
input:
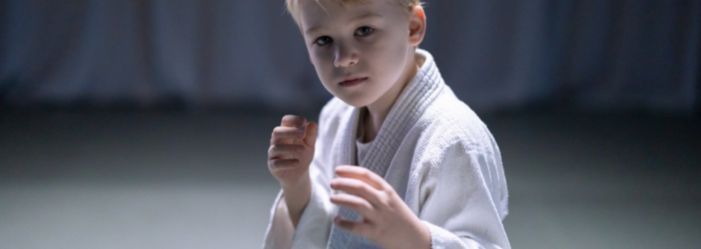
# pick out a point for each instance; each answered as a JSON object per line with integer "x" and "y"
{"x": 310, "y": 134}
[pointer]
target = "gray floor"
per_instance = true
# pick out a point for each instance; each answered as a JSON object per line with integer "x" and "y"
{"x": 198, "y": 180}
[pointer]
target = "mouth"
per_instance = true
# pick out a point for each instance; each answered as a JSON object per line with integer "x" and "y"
{"x": 352, "y": 81}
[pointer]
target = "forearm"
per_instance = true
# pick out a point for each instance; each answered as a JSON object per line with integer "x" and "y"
{"x": 296, "y": 199}
{"x": 421, "y": 240}
{"x": 420, "y": 237}
{"x": 312, "y": 222}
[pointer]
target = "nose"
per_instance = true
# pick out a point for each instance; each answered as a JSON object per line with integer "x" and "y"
{"x": 345, "y": 56}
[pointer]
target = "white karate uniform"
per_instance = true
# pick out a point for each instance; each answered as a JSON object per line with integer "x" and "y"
{"x": 434, "y": 151}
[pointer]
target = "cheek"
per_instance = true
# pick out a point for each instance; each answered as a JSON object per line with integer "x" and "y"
{"x": 313, "y": 57}
{"x": 317, "y": 58}
{"x": 321, "y": 64}
{"x": 388, "y": 58}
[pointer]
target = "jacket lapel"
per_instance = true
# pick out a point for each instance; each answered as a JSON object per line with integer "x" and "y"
{"x": 407, "y": 109}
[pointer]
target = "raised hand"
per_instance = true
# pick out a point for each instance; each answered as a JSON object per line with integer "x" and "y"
{"x": 387, "y": 220}
{"x": 289, "y": 156}
{"x": 291, "y": 150}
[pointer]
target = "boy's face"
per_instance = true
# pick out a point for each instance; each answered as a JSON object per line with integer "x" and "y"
{"x": 359, "y": 50}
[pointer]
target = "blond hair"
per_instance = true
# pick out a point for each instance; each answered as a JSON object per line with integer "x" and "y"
{"x": 293, "y": 5}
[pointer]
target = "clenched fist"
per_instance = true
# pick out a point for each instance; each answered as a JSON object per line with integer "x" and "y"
{"x": 291, "y": 150}
{"x": 289, "y": 156}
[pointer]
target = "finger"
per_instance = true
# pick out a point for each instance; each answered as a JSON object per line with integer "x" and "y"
{"x": 358, "y": 188}
{"x": 285, "y": 151}
{"x": 293, "y": 121}
{"x": 286, "y": 135}
{"x": 364, "y": 175}
{"x": 360, "y": 205}
{"x": 362, "y": 229}
{"x": 310, "y": 134}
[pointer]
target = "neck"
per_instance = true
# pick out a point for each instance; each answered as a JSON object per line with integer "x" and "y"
{"x": 377, "y": 112}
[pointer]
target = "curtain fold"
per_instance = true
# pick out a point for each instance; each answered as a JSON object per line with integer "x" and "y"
{"x": 639, "y": 54}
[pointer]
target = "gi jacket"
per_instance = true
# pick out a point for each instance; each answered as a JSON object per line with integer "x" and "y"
{"x": 434, "y": 151}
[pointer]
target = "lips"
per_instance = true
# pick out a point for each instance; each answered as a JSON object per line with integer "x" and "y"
{"x": 352, "y": 81}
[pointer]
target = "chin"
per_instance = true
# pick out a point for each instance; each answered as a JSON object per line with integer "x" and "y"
{"x": 356, "y": 104}
{"x": 355, "y": 101}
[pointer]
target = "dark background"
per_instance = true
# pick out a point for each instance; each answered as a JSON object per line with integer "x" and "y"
{"x": 603, "y": 55}
{"x": 144, "y": 124}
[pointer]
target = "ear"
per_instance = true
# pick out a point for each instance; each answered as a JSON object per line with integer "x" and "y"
{"x": 417, "y": 25}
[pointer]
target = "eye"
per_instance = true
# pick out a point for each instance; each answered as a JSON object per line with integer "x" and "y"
{"x": 323, "y": 41}
{"x": 364, "y": 31}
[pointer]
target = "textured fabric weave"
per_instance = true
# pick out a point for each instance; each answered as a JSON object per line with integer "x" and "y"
{"x": 432, "y": 149}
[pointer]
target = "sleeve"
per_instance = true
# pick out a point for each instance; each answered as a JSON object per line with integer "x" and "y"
{"x": 461, "y": 207}
{"x": 315, "y": 222}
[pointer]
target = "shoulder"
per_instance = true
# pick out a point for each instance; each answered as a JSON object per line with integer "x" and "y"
{"x": 449, "y": 122}
{"x": 456, "y": 139}
{"x": 333, "y": 112}
{"x": 334, "y": 107}
{"x": 452, "y": 138}
{"x": 456, "y": 144}
{"x": 334, "y": 119}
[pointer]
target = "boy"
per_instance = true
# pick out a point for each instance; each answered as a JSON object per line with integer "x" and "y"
{"x": 400, "y": 162}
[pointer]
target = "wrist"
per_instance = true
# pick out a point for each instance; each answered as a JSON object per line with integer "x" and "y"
{"x": 420, "y": 236}
{"x": 297, "y": 185}
{"x": 425, "y": 235}
{"x": 296, "y": 198}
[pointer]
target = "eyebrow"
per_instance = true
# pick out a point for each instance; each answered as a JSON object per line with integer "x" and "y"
{"x": 313, "y": 29}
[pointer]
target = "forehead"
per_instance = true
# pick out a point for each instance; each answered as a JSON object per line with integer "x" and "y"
{"x": 313, "y": 13}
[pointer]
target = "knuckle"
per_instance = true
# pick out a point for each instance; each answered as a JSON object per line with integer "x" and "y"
{"x": 351, "y": 185}
{"x": 288, "y": 117}
{"x": 365, "y": 174}
{"x": 277, "y": 148}
{"x": 352, "y": 204}
{"x": 272, "y": 163}
{"x": 391, "y": 194}
{"x": 295, "y": 149}
{"x": 277, "y": 163}
{"x": 276, "y": 129}
{"x": 292, "y": 119}
{"x": 361, "y": 188}
{"x": 385, "y": 198}
{"x": 365, "y": 231}
{"x": 366, "y": 188}
{"x": 276, "y": 140}
{"x": 366, "y": 205}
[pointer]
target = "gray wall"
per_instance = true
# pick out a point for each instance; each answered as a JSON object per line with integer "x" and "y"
{"x": 598, "y": 54}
